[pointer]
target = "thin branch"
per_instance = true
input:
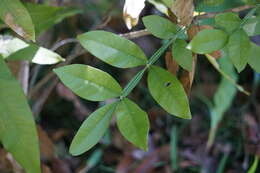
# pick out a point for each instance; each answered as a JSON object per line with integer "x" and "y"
{"x": 63, "y": 42}
{"x": 135, "y": 34}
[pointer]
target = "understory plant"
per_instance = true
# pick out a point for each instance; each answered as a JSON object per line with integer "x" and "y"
{"x": 226, "y": 36}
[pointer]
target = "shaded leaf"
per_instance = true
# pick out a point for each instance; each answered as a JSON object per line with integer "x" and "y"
{"x": 238, "y": 49}
{"x": 15, "y": 15}
{"x": 182, "y": 55}
{"x": 228, "y": 21}
{"x": 113, "y": 49}
{"x": 92, "y": 129}
{"x": 133, "y": 123}
{"x": 88, "y": 82}
{"x": 215, "y": 64}
{"x": 222, "y": 100}
{"x": 160, "y": 26}
{"x": 167, "y": 90}
{"x": 254, "y": 57}
{"x": 252, "y": 26}
{"x": 17, "y": 128}
{"x": 207, "y": 41}
{"x": 44, "y": 16}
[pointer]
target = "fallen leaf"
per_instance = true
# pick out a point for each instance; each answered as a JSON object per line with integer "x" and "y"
{"x": 184, "y": 10}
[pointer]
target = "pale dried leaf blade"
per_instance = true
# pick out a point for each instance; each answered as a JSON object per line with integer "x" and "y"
{"x": 132, "y": 10}
{"x": 184, "y": 10}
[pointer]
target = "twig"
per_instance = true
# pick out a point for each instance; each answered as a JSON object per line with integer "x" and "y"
{"x": 135, "y": 34}
{"x": 23, "y": 75}
{"x": 63, "y": 42}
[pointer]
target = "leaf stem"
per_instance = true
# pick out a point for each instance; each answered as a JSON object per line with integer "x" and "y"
{"x": 136, "y": 79}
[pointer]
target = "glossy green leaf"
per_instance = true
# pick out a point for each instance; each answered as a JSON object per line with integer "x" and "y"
{"x": 182, "y": 55}
{"x": 168, "y": 92}
{"x": 238, "y": 49}
{"x": 17, "y": 128}
{"x": 113, "y": 49}
{"x": 44, "y": 16}
{"x": 15, "y": 15}
{"x": 92, "y": 129}
{"x": 213, "y": 2}
{"x": 133, "y": 123}
{"x": 208, "y": 40}
{"x": 252, "y": 26}
{"x": 88, "y": 82}
{"x": 254, "y": 57}
{"x": 160, "y": 26}
{"x": 228, "y": 21}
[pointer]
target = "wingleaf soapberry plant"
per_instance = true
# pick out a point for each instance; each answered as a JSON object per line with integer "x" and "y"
{"x": 227, "y": 35}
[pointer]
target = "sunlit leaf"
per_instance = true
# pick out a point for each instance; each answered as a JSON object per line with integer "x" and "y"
{"x": 113, "y": 49}
{"x": 168, "y": 92}
{"x": 88, "y": 82}
{"x": 16, "y": 49}
{"x": 133, "y": 123}
{"x": 17, "y": 128}
{"x": 92, "y": 129}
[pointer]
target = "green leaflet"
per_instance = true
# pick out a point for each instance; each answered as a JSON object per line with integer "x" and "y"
{"x": 254, "y": 57}
{"x": 238, "y": 49}
{"x": 113, "y": 49}
{"x": 160, "y": 26}
{"x": 252, "y": 26}
{"x": 44, "y": 16}
{"x": 92, "y": 129}
{"x": 207, "y": 41}
{"x": 88, "y": 82}
{"x": 133, "y": 123}
{"x": 167, "y": 90}
{"x": 228, "y": 21}
{"x": 15, "y": 15}
{"x": 182, "y": 55}
{"x": 17, "y": 128}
